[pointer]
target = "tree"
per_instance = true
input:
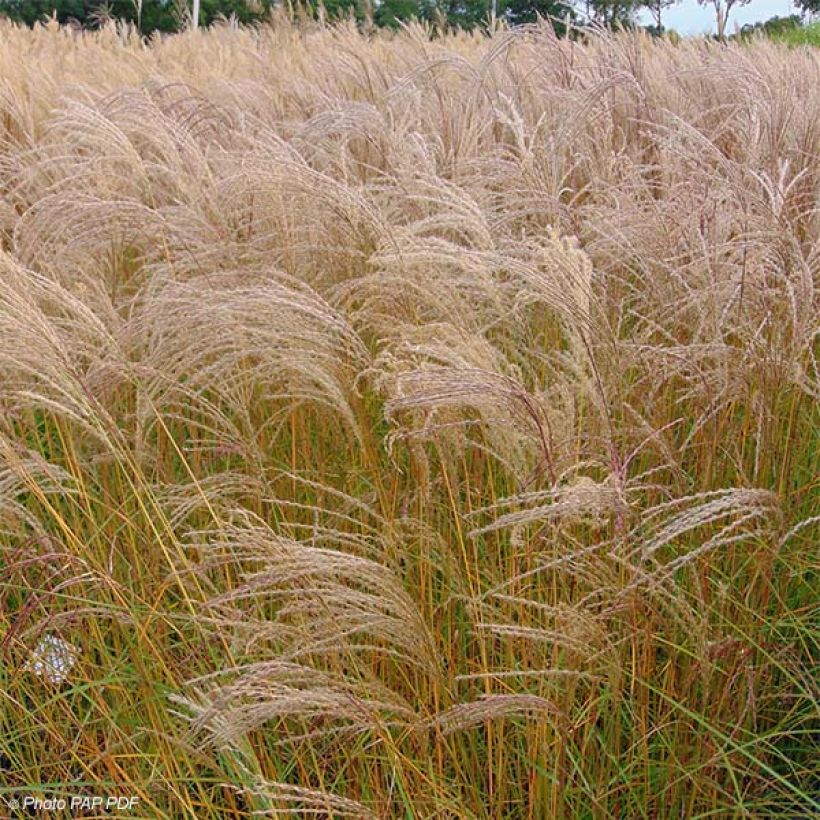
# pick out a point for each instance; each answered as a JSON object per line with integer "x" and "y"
{"x": 517, "y": 12}
{"x": 774, "y": 27}
{"x": 152, "y": 15}
{"x": 612, "y": 12}
{"x": 465, "y": 13}
{"x": 722, "y": 9}
{"x": 393, "y": 12}
{"x": 656, "y": 9}
{"x": 809, "y": 6}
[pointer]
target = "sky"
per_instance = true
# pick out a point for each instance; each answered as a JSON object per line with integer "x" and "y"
{"x": 688, "y": 17}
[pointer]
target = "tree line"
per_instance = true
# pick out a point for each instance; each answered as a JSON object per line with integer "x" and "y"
{"x": 172, "y": 15}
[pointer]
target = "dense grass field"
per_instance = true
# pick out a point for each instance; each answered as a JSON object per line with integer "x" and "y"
{"x": 402, "y": 426}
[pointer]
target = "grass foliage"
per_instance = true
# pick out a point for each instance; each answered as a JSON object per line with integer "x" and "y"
{"x": 808, "y": 35}
{"x": 410, "y": 427}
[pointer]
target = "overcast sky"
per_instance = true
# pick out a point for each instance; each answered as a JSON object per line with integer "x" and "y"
{"x": 689, "y": 17}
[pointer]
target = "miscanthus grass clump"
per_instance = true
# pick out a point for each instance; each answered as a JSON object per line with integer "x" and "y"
{"x": 414, "y": 426}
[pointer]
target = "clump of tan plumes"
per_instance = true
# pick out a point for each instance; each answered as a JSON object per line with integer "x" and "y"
{"x": 410, "y": 423}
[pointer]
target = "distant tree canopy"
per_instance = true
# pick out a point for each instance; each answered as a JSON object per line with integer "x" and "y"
{"x": 171, "y": 15}
{"x": 153, "y": 15}
{"x": 464, "y": 13}
{"x": 168, "y": 15}
{"x": 773, "y": 26}
{"x": 526, "y": 11}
